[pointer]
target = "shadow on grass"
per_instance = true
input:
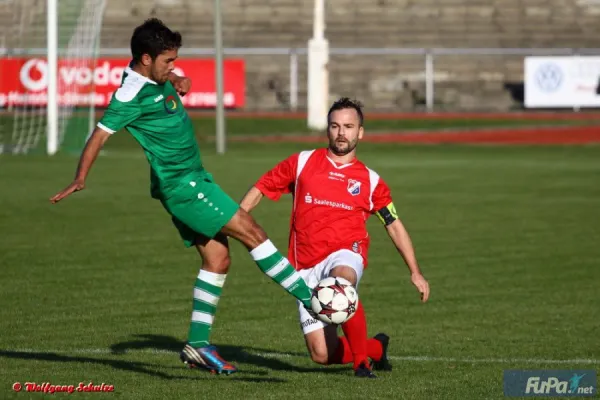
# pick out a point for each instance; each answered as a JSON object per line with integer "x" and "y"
{"x": 149, "y": 369}
{"x": 234, "y": 354}
{"x": 162, "y": 344}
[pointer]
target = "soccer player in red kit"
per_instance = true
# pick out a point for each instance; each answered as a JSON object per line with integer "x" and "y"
{"x": 334, "y": 195}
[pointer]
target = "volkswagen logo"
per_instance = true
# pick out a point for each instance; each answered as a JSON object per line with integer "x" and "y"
{"x": 549, "y": 77}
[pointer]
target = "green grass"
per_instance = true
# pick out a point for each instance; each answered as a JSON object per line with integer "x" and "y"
{"x": 98, "y": 288}
{"x": 257, "y": 126}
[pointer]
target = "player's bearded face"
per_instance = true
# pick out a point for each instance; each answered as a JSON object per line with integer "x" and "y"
{"x": 163, "y": 65}
{"x": 340, "y": 145}
{"x": 344, "y": 131}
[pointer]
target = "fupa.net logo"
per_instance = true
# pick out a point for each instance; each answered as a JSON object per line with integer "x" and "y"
{"x": 553, "y": 385}
{"x": 549, "y": 383}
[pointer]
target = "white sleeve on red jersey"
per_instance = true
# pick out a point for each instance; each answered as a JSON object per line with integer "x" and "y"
{"x": 383, "y": 206}
{"x": 280, "y": 179}
{"x": 381, "y": 197}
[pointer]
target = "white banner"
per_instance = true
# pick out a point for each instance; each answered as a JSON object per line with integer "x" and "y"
{"x": 557, "y": 82}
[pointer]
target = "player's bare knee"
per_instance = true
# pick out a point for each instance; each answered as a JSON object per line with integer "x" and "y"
{"x": 223, "y": 262}
{"x": 253, "y": 234}
{"x": 245, "y": 229}
{"x": 319, "y": 355}
{"x": 345, "y": 272}
{"x": 218, "y": 265}
{"x": 216, "y": 260}
{"x": 316, "y": 343}
{"x": 258, "y": 235}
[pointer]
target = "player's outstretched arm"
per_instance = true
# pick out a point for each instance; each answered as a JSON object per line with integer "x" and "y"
{"x": 403, "y": 243}
{"x": 251, "y": 199}
{"x": 181, "y": 84}
{"x": 88, "y": 156}
{"x": 272, "y": 184}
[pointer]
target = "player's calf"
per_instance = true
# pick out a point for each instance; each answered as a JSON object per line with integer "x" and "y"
{"x": 270, "y": 261}
{"x": 244, "y": 228}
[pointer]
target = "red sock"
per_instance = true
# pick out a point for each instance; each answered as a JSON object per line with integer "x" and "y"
{"x": 374, "y": 349}
{"x": 342, "y": 354}
{"x": 355, "y": 330}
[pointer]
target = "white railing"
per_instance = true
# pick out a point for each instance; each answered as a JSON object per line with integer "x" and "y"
{"x": 428, "y": 54}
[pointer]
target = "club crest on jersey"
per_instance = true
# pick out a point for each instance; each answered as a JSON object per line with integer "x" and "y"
{"x": 171, "y": 104}
{"x": 354, "y": 187}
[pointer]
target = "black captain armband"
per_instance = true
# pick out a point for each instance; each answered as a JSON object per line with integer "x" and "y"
{"x": 387, "y": 214}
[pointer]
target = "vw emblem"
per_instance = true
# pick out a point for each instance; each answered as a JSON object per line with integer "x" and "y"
{"x": 549, "y": 77}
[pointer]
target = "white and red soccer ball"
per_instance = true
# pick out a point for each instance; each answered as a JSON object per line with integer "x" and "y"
{"x": 334, "y": 300}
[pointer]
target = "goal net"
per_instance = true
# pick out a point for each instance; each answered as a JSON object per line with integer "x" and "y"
{"x": 24, "y": 71}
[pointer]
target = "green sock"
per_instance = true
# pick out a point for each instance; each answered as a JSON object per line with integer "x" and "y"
{"x": 277, "y": 267}
{"x": 206, "y": 297}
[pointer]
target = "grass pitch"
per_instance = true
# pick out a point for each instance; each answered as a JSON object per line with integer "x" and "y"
{"x": 99, "y": 287}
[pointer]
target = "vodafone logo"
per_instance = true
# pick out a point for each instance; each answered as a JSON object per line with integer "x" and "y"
{"x": 34, "y": 75}
{"x": 94, "y": 81}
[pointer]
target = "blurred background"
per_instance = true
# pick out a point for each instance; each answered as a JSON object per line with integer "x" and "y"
{"x": 378, "y": 48}
{"x": 394, "y": 55}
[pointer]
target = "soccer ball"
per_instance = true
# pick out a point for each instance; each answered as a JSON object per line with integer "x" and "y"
{"x": 334, "y": 300}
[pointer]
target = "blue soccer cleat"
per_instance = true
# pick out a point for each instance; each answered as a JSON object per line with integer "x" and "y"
{"x": 206, "y": 357}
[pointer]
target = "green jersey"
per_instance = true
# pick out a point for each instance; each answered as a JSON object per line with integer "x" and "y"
{"x": 155, "y": 116}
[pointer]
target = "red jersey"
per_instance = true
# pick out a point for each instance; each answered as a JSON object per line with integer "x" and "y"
{"x": 332, "y": 203}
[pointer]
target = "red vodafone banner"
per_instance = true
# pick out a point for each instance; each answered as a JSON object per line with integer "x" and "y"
{"x": 23, "y": 81}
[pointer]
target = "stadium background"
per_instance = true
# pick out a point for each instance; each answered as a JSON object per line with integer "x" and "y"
{"x": 386, "y": 82}
{"x": 99, "y": 288}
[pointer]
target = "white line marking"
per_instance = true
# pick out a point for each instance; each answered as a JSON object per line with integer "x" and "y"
{"x": 494, "y": 360}
{"x": 289, "y": 355}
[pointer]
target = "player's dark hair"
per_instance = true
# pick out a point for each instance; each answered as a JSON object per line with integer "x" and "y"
{"x": 152, "y": 38}
{"x": 345, "y": 102}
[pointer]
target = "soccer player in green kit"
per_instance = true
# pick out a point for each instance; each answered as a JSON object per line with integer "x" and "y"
{"x": 147, "y": 104}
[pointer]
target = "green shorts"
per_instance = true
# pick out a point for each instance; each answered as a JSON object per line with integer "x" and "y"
{"x": 199, "y": 207}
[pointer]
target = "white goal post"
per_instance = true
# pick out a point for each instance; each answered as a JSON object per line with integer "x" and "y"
{"x": 318, "y": 74}
{"x": 81, "y": 50}
{"x": 52, "y": 65}
{"x": 48, "y": 52}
